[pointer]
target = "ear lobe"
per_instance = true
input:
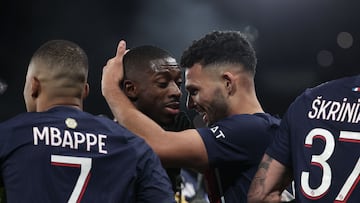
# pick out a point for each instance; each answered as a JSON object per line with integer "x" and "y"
{"x": 130, "y": 90}
{"x": 86, "y": 91}
{"x": 35, "y": 87}
{"x": 229, "y": 82}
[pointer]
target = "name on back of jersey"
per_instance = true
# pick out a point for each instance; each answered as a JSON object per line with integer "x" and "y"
{"x": 344, "y": 111}
{"x": 56, "y": 137}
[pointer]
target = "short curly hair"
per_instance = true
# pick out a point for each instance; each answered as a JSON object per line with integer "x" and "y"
{"x": 221, "y": 47}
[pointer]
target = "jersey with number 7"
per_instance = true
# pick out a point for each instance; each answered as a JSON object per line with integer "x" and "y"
{"x": 66, "y": 155}
{"x": 319, "y": 139}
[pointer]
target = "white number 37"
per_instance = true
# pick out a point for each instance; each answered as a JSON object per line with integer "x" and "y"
{"x": 321, "y": 161}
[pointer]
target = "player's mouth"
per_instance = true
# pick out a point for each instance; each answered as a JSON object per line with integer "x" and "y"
{"x": 173, "y": 107}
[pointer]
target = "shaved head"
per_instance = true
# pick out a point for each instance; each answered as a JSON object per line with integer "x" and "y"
{"x": 61, "y": 67}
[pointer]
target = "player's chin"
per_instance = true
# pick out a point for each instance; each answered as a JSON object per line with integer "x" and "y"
{"x": 166, "y": 120}
{"x": 168, "y": 116}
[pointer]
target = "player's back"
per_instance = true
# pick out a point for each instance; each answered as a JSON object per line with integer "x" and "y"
{"x": 324, "y": 128}
{"x": 66, "y": 155}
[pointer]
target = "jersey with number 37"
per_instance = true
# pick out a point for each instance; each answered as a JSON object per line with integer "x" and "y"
{"x": 319, "y": 138}
{"x": 66, "y": 155}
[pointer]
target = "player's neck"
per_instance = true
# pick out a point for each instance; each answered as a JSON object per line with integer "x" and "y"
{"x": 246, "y": 104}
{"x": 69, "y": 102}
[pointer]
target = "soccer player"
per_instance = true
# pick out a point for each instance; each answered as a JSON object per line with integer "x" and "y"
{"x": 317, "y": 146}
{"x": 152, "y": 82}
{"x": 219, "y": 77}
{"x": 58, "y": 153}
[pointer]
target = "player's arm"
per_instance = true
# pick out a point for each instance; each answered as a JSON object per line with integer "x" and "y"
{"x": 175, "y": 149}
{"x": 269, "y": 181}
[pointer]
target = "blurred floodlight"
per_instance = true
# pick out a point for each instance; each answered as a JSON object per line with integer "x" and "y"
{"x": 3, "y": 86}
{"x": 345, "y": 40}
{"x": 325, "y": 58}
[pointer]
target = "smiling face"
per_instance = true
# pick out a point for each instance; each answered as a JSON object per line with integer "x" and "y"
{"x": 158, "y": 90}
{"x": 206, "y": 93}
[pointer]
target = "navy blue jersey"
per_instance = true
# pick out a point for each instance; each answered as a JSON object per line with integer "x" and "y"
{"x": 235, "y": 146}
{"x": 66, "y": 155}
{"x": 319, "y": 139}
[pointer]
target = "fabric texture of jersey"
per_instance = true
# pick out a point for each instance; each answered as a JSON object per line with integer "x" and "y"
{"x": 66, "y": 155}
{"x": 235, "y": 146}
{"x": 319, "y": 139}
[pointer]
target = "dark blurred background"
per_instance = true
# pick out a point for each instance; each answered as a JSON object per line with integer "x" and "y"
{"x": 299, "y": 44}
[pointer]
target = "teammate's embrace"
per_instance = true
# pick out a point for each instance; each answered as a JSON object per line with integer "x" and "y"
{"x": 58, "y": 153}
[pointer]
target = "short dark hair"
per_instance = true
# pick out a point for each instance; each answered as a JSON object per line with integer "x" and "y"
{"x": 66, "y": 57}
{"x": 220, "y": 47}
{"x": 138, "y": 58}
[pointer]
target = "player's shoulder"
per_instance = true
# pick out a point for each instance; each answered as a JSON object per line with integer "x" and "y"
{"x": 11, "y": 126}
{"x": 258, "y": 122}
{"x": 332, "y": 89}
{"x": 253, "y": 119}
{"x": 333, "y": 85}
{"x": 17, "y": 121}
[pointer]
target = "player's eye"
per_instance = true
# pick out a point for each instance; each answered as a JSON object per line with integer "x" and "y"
{"x": 179, "y": 83}
{"x": 162, "y": 84}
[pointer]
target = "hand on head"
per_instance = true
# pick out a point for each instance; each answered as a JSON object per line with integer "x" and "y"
{"x": 113, "y": 71}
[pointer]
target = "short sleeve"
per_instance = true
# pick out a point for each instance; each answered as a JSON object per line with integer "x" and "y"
{"x": 279, "y": 149}
{"x": 232, "y": 140}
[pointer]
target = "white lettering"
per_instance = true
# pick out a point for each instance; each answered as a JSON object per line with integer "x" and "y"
{"x": 334, "y": 110}
{"x": 89, "y": 142}
{"x": 56, "y": 137}
{"x": 316, "y": 102}
{"x": 322, "y": 111}
{"x": 102, "y": 139}
{"x": 67, "y": 141}
{"x": 218, "y": 133}
{"x": 221, "y": 134}
{"x": 79, "y": 139}
{"x": 214, "y": 129}
{"x": 356, "y": 110}
{"x": 43, "y": 135}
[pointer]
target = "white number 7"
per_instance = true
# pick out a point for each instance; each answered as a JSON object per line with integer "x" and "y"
{"x": 353, "y": 179}
{"x": 78, "y": 162}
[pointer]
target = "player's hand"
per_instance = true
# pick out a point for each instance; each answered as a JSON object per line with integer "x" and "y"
{"x": 113, "y": 71}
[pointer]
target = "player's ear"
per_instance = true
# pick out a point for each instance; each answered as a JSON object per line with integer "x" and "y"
{"x": 86, "y": 91}
{"x": 229, "y": 82}
{"x": 35, "y": 87}
{"x": 130, "y": 89}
